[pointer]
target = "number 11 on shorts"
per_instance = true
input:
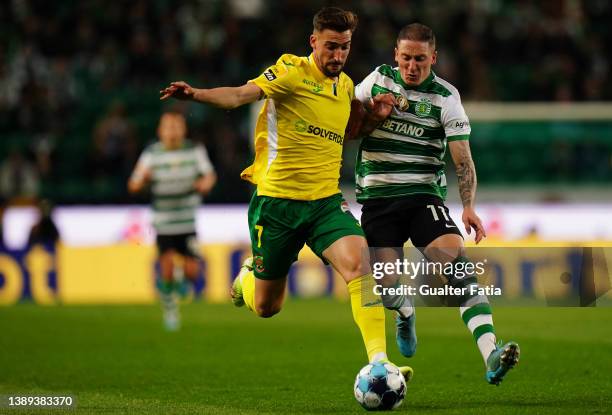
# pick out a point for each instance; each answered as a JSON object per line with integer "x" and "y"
{"x": 435, "y": 214}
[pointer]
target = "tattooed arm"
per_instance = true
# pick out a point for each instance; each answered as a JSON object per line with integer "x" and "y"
{"x": 466, "y": 175}
{"x": 466, "y": 171}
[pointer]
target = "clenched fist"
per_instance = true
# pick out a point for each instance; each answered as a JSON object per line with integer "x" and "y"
{"x": 381, "y": 106}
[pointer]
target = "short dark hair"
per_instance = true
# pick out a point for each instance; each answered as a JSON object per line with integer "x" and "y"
{"x": 417, "y": 32}
{"x": 334, "y": 18}
{"x": 173, "y": 110}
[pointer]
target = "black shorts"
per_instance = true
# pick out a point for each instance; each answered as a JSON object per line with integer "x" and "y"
{"x": 420, "y": 219}
{"x": 185, "y": 244}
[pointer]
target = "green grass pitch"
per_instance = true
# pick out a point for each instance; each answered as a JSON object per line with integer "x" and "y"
{"x": 117, "y": 359}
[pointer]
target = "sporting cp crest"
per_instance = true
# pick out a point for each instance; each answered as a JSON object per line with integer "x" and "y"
{"x": 423, "y": 107}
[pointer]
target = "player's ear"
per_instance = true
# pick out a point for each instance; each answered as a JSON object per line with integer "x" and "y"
{"x": 395, "y": 55}
{"x": 434, "y": 57}
{"x": 313, "y": 40}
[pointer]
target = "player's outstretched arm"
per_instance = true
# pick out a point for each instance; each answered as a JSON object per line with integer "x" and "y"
{"x": 366, "y": 117}
{"x": 466, "y": 176}
{"x": 223, "y": 97}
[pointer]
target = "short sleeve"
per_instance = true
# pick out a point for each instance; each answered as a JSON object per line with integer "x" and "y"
{"x": 142, "y": 165}
{"x": 204, "y": 164}
{"x": 363, "y": 91}
{"x": 278, "y": 80}
{"x": 454, "y": 119}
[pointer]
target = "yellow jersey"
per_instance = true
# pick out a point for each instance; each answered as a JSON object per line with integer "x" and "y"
{"x": 300, "y": 130}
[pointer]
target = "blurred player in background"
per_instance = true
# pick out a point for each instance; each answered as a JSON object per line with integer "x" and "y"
{"x": 179, "y": 172}
{"x": 2, "y": 208}
{"x": 44, "y": 232}
{"x": 299, "y": 136}
{"x": 402, "y": 186}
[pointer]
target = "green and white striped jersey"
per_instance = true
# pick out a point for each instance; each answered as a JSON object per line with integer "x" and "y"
{"x": 405, "y": 155}
{"x": 173, "y": 173}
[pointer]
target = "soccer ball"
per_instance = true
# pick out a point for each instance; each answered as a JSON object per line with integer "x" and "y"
{"x": 380, "y": 386}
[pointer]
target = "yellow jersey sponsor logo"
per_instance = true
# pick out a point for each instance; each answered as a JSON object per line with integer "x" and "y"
{"x": 302, "y": 126}
{"x": 270, "y": 75}
{"x": 316, "y": 87}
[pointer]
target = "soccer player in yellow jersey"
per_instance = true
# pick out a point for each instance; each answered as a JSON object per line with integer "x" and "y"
{"x": 298, "y": 145}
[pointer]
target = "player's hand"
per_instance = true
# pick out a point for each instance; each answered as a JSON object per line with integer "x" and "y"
{"x": 472, "y": 221}
{"x": 179, "y": 90}
{"x": 203, "y": 185}
{"x": 381, "y": 106}
{"x": 147, "y": 175}
{"x": 139, "y": 180}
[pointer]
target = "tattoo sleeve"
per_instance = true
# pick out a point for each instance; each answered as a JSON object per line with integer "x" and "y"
{"x": 466, "y": 173}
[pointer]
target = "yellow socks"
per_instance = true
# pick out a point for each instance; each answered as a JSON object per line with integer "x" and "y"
{"x": 370, "y": 320}
{"x": 248, "y": 289}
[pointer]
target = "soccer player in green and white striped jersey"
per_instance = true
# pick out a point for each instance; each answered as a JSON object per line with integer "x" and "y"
{"x": 401, "y": 182}
{"x": 179, "y": 172}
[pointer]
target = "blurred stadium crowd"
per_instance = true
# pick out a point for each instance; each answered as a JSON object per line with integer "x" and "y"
{"x": 79, "y": 81}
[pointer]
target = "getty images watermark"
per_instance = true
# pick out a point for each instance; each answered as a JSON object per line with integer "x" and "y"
{"x": 566, "y": 276}
{"x": 456, "y": 272}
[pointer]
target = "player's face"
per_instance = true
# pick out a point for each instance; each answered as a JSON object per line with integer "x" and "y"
{"x": 171, "y": 131}
{"x": 414, "y": 60}
{"x": 330, "y": 50}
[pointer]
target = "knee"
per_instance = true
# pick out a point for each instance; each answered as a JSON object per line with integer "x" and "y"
{"x": 354, "y": 267}
{"x": 166, "y": 266}
{"x": 191, "y": 269}
{"x": 445, "y": 248}
{"x": 267, "y": 310}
